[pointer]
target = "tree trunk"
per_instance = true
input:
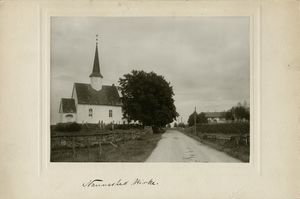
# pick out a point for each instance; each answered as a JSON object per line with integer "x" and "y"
{"x": 155, "y": 130}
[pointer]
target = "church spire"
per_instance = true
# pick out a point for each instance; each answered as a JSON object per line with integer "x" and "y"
{"x": 96, "y": 77}
{"x": 96, "y": 67}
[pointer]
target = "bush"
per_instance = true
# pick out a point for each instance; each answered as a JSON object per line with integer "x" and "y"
{"x": 225, "y": 128}
{"x": 68, "y": 127}
{"x": 108, "y": 127}
{"x": 128, "y": 126}
{"x": 157, "y": 130}
{"x": 200, "y": 118}
{"x": 182, "y": 125}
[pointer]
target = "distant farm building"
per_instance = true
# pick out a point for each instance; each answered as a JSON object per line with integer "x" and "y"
{"x": 215, "y": 117}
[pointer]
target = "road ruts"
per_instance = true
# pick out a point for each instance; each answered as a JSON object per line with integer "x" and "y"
{"x": 177, "y": 147}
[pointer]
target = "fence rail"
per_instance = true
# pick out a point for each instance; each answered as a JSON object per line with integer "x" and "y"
{"x": 80, "y": 140}
{"x": 238, "y": 133}
{"x": 87, "y": 134}
{"x": 225, "y": 128}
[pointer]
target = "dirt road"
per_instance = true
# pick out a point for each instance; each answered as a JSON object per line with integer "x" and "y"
{"x": 177, "y": 147}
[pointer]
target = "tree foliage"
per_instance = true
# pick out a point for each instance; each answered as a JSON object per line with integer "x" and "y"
{"x": 147, "y": 98}
{"x": 182, "y": 125}
{"x": 200, "y": 118}
{"x": 239, "y": 112}
{"x": 229, "y": 115}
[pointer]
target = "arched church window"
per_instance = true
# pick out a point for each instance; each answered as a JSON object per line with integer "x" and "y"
{"x": 110, "y": 114}
{"x": 90, "y": 112}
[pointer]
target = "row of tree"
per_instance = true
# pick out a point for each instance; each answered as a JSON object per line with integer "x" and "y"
{"x": 199, "y": 118}
{"x": 236, "y": 113}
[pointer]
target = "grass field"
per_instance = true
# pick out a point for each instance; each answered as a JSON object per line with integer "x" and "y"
{"x": 136, "y": 150}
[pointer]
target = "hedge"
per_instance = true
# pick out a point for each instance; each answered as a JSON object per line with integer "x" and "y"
{"x": 68, "y": 127}
{"x": 225, "y": 128}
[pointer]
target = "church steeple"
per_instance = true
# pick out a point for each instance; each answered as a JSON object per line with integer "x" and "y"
{"x": 96, "y": 67}
{"x": 96, "y": 76}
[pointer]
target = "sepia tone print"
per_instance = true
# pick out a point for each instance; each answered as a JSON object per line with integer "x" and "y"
{"x": 150, "y": 89}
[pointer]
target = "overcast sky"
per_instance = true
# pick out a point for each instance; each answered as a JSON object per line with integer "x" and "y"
{"x": 206, "y": 59}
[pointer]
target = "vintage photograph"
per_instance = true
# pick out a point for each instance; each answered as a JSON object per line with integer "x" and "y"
{"x": 150, "y": 89}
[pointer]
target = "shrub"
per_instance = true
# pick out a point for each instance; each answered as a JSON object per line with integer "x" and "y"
{"x": 182, "y": 125}
{"x": 157, "y": 130}
{"x": 128, "y": 126}
{"x": 68, "y": 127}
{"x": 108, "y": 127}
{"x": 225, "y": 128}
{"x": 74, "y": 127}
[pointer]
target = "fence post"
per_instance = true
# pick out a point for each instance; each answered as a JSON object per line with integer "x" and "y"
{"x": 114, "y": 134}
{"x": 73, "y": 148}
{"x": 99, "y": 145}
{"x": 88, "y": 147}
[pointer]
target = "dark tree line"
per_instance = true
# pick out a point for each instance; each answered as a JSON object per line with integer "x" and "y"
{"x": 200, "y": 118}
{"x": 236, "y": 113}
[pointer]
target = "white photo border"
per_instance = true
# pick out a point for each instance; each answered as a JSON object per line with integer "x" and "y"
{"x": 138, "y": 9}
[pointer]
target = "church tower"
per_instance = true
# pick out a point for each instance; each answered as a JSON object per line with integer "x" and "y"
{"x": 96, "y": 76}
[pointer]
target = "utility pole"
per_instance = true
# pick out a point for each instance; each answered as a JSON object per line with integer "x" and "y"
{"x": 195, "y": 120}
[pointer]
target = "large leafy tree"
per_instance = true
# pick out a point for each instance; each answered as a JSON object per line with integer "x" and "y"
{"x": 147, "y": 98}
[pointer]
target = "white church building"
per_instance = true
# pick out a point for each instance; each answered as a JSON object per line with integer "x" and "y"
{"x": 94, "y": 102}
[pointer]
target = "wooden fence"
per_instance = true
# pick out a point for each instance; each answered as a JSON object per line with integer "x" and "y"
{"x": 77, "y": 140}
{"x": 237, "y": 133}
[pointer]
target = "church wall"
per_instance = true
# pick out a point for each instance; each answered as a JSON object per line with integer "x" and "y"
{"x": 67, "y": 117}
{"x": 99, "y": 113}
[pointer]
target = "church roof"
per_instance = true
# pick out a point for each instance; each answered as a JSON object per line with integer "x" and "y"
{"x": 108, "y": 95}
{"x": 96, "y": 67}
{"x": 67, "y": 105}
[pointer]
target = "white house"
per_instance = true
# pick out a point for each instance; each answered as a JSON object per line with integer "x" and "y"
{"x": 215, "y": 117}
{"x": 94, "y": 102}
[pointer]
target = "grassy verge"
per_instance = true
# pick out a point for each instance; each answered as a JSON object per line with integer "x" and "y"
{"x": 137, "y": 150}
{"x": 240, "y": 152}
{"x": 134, "y": 150}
